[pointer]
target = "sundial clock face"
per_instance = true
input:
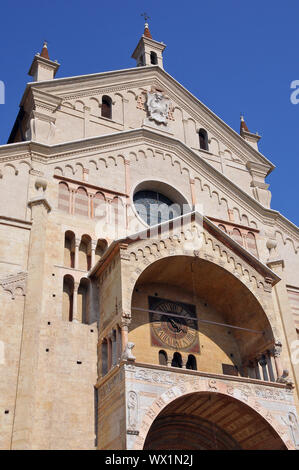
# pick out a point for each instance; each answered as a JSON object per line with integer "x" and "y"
{"x": 175, "y": 332}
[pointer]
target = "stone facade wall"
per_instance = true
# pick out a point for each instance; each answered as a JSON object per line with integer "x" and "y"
{"x": 50, "y": 364}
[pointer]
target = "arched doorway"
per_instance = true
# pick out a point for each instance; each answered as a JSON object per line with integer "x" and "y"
{"x": 211, "y": 421}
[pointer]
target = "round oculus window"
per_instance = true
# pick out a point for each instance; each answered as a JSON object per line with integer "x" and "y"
{"x": 155, "y": 208}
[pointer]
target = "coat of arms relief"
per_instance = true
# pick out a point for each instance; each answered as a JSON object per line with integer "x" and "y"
{"x": 158, "y": 106}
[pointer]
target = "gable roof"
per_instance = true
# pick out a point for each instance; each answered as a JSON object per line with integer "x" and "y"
{"x": 123, "y": 79}
{"x": 208, "y": 225}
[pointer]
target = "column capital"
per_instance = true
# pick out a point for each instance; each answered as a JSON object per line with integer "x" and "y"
{"x": 124, "y": 323}
{"x": 262, "y": 360}
{"x": 276, "y": 351}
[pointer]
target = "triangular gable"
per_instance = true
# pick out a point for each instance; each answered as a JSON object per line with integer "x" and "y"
{"x": 213, "y": 236}
{"x": 116, "y": 81}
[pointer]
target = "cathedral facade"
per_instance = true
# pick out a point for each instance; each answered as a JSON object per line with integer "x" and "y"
{"x": 149, "y": 293}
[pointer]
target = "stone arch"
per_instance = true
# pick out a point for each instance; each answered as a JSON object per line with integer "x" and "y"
{"x": 222, "y": 295}
{"x": 214, "y": 387}
{"x": 174, "y": 248}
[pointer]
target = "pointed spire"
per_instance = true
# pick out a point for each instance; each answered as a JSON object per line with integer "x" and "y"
{"x": 147, "y": 32}
{"x": 148, "y": 52}
{"x": 44, "y": 53}
{"x": 243, "y": 126}
{"x": 42, "y": 67}
{"x": 252, "y": 139}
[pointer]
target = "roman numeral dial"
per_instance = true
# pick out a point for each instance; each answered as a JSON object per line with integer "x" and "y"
{"x": 176, "y": 326}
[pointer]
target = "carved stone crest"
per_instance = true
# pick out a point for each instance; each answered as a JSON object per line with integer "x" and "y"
{"x": 158, "y": 106}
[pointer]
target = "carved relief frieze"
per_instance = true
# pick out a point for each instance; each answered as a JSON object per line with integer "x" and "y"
{"x": 15, "y": 284}
{"x": 108, "y": 387}
{"x": 146, "y": 252}
{"x": 132, "y": 408}
{"x": 166, "y": 378}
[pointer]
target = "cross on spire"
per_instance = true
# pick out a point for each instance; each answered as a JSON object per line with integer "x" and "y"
{"x": 146, "y": 28}
{"x": 146, "y": 17}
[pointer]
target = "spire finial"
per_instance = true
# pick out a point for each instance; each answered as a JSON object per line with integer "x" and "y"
{"x": 243, "y": 126}
{"x": 44, "y": 53}
{"x": 146, "y": 28}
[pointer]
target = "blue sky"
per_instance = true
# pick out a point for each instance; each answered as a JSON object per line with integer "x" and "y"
{"x": 235, "y": 56}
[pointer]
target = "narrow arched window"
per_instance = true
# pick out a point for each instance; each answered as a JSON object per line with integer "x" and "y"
{"x": 237, "y": 236}
{"x": 99, "y": 206}
{"x": 63, "y": 197}
{"x": 100, "y": 249}
{"x": 162, "y": 358}
{"x": 203, "y": 139}
{"x": 104, "y": 357}
{"x": 251, "y": 244}
{"x": 177, "y": 360}
{"x": 83, "y": 301}
{"x": 81, "y": 202}
{"x": 107, "y": 107}
{"x": 191, "y": 363}
{"x": 69, "y": 249}
{"x": 67, "y": 300}
{"x": 154, "y": 59}
{"x": 84, "y": 253}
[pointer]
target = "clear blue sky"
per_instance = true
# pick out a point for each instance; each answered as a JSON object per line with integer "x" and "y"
{"x": 233, "y": 55}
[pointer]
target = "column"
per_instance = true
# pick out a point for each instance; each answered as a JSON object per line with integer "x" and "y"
{"x": 86, "y": 110}
{"x": 118, "y": 342}
{"x": 263, "y": 364}
{"x": 73, "y": 200}
{"x": 244, "y": 240}
{"x": 128, "y": 188}
{"x": 193, "y": 196}
{"x": 76, "y": 318}
{"x": 114, "y": 347}
{"x": 276, "y": 353}
{"x": 257, "y": 370}
{"x": 124, "y": 335}
{"x": 109, "y": 352}
{"x": 270, "y": 368}
{"x": 184, "y": 361}
{"x": 36, "y": 293}
{"x": 93, "y": 252}
{"x": 286, "y": 318}
{"x": 77, "y": 244}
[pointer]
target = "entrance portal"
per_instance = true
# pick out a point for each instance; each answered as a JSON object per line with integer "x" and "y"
{"x": 211, "y": 421}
